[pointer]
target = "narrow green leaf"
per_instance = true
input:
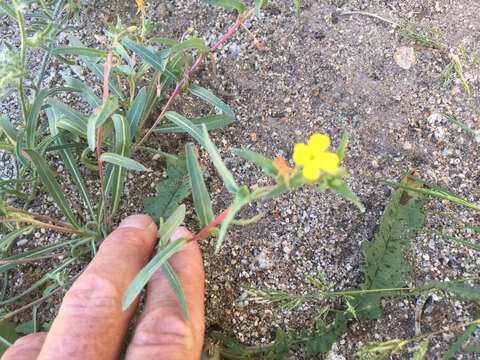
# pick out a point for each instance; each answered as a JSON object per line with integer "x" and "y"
{"x": 75, "y": 119}
{"x": 194, "y": 130}
{"x": 124, "y": 69}
{"x": 107, "y": 109}
{"x": 159, "y": 259}
{"x": 123, "y": 161}
{"x": 472, "y": 348}
{"x": 259, "y": 160}
{"x": 201, "y": 199}
{"x": 238, "y": 203}
{"x": 52, "y": 185}
{"x": 228, "y": 5}
{"x": 92, "y": 133}
{"x": 172, "y": 223}
{"x": 297, "y": 8}
{"x": 136, "y": 110}
{"x": 68, "y": 159}
{"x": 122, "y": 147}
{"x": 8, "y": 129}
{"x": 211, "y": 122}
{"x": 147, "y": 272}
{"x": 86, "y": 92}
{"x": 158, "y": 61}
{"x": 342, "y": 147}
{"x": 190, "y": 44}
{"x": 123, "y": 53}
{"x": 84, "y": 51}
{"x": 32, "y": 118}
{"x": 460, "y": 341}
{"x": 209, "y": 97}
{"x": 423, "y": 347}
{"x": 176, "y": 287}
{"x": 217, "y": 161}
{"x": 462, "y": 290}
{"x": 163, "y": 41}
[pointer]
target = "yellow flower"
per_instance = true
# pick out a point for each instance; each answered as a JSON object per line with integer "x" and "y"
{"x": 314, "y": 158}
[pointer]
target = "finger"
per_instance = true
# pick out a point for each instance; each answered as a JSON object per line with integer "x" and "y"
{"x": 162, "y": 331}
{"x": 91, "y": 323}
{"x": 26, "y": 348}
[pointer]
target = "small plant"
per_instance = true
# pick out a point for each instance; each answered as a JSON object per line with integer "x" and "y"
{"x": 105, "y": 138}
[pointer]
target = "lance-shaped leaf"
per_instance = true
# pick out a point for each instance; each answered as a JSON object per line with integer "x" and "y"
{"x": 135, "y": 113}
{"x": 258, "y": 5}
{"x": 341, "y": 188}
{"x": 97, "y": 120}
{"x": 343, "y": 146}
{"x": 176, "y": 287}
{"x": 123, "y": 161}
{"x": 192, "y": 129}
{"x": 210, "y": 98}
{"x": 211, "y": 122}
{"x": 52, "y": 185}
{"x": 86, "y": 92}
{"x": 259, "y": 160}
{"x": 456, "y": 346}
{"x": 159, "y": 259}
{"x": 74, "y": 121}
{"x": 83, "y": 51}
{"x": 32, "y": 119}
{"x": 201, "y": 199}
{"x": 190, "y": 44}
{"x": 157, "y": 60}
{"x": 463, "y": 290}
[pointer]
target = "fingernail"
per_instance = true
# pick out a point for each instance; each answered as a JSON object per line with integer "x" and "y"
{"x": 137, "y": 221}
{"x": 181, "y": 232}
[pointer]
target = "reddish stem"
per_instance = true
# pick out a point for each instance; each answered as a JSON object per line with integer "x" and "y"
{"x": 216, "y": 221}
{"x": 180, "y": 84}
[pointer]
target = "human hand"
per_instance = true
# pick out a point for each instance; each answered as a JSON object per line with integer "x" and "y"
{"x": 91, "y": 323}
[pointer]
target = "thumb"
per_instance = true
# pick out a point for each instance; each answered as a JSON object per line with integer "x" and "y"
{"x": 162, "y": 332}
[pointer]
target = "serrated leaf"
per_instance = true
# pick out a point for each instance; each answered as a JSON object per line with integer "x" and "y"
{"x": 209, "y": 97}
{"x": 159, "y": 259}
{"x": 170, "y": 192}
{"x": 52, "y": 185}
{"x": 201, "y": 199}
{"x": 228, "y": 5}
{"x": 123, "y": 161}
{"x": 463, "y": 290}
{"x": 211, "y": 122}
{"x": 386, "y": 266}
{"x": 83, "y": 51}
{"x": 176, "y": 287}
{"x": 190, "y": 44}
{"x": 157, "y": 60}
{"x": 460, "y": 341}
{"x": 8, "y": 335}
{"x": 259, "y": 160}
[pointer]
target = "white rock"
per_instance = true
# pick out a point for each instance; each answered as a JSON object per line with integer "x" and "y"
{"x": 404, "y": 57}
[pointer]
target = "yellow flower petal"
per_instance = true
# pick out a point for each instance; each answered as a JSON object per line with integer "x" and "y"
{"x": 327, "y": 161}
{"x": 311, "y": 171}
{"x": 301, "y": 154}
{"x": 318, "y": 143}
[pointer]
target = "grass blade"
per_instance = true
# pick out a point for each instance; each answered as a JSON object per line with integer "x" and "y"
{"x": 210, "y": 98}
{"x": 211, "y": 122}
{"x": 52, "y": 186}
{"x": 201, "y": 199}
{"x": 123, "y": 161}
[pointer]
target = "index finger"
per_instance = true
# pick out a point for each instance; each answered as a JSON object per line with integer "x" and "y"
{"x": 91, "y": 323}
